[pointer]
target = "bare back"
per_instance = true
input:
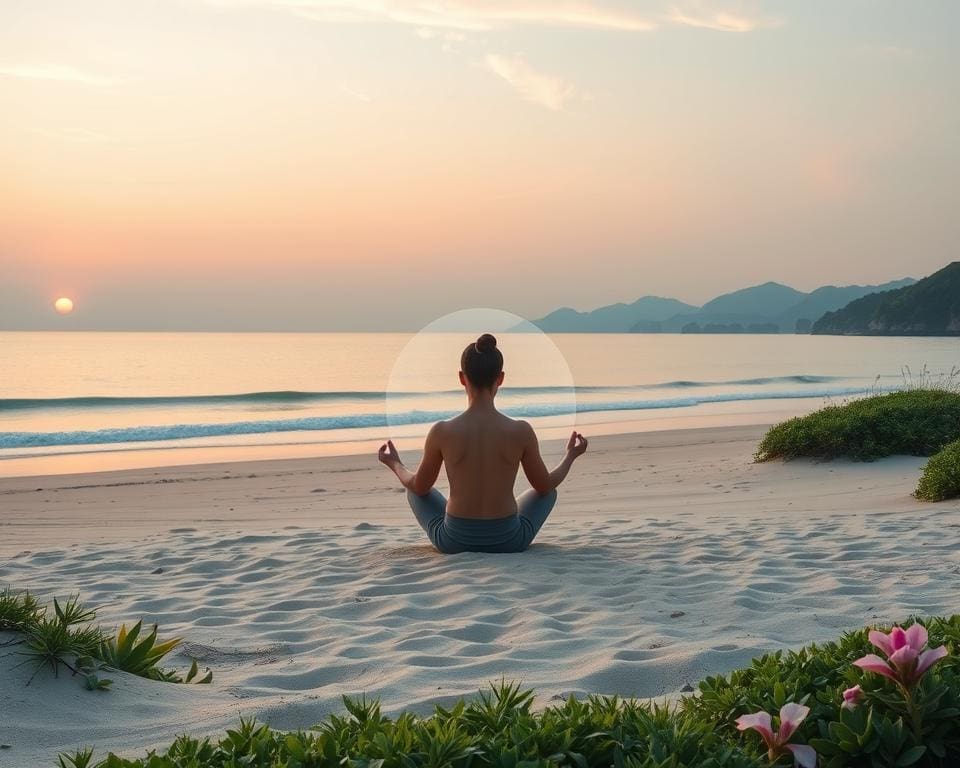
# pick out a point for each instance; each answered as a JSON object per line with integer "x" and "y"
{"x": 482, "y": 451}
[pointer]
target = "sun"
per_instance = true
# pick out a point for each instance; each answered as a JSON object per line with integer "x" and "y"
{"x": 63, "y": 305}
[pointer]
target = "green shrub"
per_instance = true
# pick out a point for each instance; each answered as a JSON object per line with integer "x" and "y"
{"x": 501, "y": 729}
{"x": 918, "y": 422}
{"x": 941, "y": 476}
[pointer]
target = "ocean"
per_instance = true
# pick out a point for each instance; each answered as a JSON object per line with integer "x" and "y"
{"x": 81, "y": 401}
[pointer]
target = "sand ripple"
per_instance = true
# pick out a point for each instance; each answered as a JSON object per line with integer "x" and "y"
{"x": 638, "y": 608}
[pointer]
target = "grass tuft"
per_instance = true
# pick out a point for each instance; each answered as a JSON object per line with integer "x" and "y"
{"x": 18, "y": 610}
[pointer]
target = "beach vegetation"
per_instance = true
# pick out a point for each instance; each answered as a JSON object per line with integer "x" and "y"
{"x": 51, "y": 643}
{"x": 90, "y": 668}
{"x": 52, "y": 640}
{"x": 68, "y": 637}
{"x": 129, "y": 652}
{"x": 913, "y": 422}
{"x": 18, "y": 610}
{"x": 778, "y": 741}
{"x": 839, "y": 705}
{"x": 940, "y": 479}
{"x": 82, "y": 758}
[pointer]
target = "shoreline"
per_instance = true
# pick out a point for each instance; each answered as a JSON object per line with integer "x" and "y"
{"x": 82, "y": 460}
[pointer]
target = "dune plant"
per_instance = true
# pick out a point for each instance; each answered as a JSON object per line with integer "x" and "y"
{"x": 18, "y": 610}
{"x": 498, "y": 729}
{"x": 945, "y": 381}
{"x": 908, "y": 658}
{"x": 830, "y": 711}
{"x": 778, "y": 742}
{"x": 80, "y": 759}
{"x": 940, "y": 479}
{"x": 69, "y": 638}
{"x": 52, "y": 641}
{"x": 848, "y": 727}
{"x": 72, "y": 613}
{"x": 852, "y": 697}
{"x": 128, "y": 652}
{"x": 916, "y": 422}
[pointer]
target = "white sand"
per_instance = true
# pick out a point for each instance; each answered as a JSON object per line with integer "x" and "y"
{"x": 671, "y": 556}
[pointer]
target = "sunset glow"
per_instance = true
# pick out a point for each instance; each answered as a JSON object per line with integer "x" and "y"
{"x": 199, "y": 152}
{"x": 63, "y": 305}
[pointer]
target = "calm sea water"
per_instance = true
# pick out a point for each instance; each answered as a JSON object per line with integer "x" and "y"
{"x": 73, "y": 394}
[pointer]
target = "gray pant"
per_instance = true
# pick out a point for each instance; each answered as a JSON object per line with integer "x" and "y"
{"x": 451, "y": 535}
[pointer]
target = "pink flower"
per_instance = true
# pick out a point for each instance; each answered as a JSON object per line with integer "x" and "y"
{"x": 852, "y": 697}
{"x": 791, "y": 715}
{"x": 908, "y": 658}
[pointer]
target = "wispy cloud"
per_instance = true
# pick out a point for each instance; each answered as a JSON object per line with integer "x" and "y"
{"x": 450, "y": 40}
{"x": 355, "y": 94}
{"x": 725, "y": 20}
{"x": 57, "y": 73}
{"x": 546, "y": 90}
{"x": 465, "y": 15}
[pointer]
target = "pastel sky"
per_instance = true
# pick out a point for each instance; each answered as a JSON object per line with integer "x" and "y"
{"x": 373, "y": 164}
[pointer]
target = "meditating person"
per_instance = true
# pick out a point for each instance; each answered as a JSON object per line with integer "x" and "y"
{"x": 482, "y": 450}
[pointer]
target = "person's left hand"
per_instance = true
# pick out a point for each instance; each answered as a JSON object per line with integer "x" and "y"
{"x": 388, "y": 454}
{"x": 576, "y": 445}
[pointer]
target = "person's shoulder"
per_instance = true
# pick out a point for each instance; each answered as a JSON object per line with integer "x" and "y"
{"x": 523, "y": 428}
{"x": 438, "y": 432}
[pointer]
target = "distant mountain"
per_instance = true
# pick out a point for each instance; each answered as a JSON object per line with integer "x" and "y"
{"x": 757, "y": 307}
{"x": 930, "y": 307}
{"x": 614, "y": 318}
{"x": 770, "y": 303}
{"x": 832, "y": 297}
{"x": 766, "y": 300}
{"x": 752, "y": 306}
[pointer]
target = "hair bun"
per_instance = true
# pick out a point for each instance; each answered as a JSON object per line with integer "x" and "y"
{"x": 486, "y": 343}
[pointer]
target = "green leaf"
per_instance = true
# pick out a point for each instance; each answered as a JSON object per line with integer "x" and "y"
{"x": 825, "y": 747}
{"x": 910, "y": 756}
{"x": 779, "y": 694}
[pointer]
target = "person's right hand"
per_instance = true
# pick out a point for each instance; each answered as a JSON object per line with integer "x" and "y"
{"x": 576, "y": 445}
{"x": 388, "y": 454}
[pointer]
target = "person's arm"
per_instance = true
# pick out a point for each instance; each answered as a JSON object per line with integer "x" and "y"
{"x": 421, "y": 481}
{"x": 541, "y": 480}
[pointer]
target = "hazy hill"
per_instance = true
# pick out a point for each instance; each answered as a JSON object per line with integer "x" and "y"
{"x": 930, "y": 307}
{"x": 772, "y": 303}
{"x": 757, "y": 305}
{"x": 747, "y": 306}
{"x": 831, "y": 297}
{"x": 767, "y": 300}
{"x": 615, "y": 318}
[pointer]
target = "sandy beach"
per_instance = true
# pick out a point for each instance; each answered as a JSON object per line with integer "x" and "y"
{"x": 671, "y": 556}
{"x": 270, "y": 266}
